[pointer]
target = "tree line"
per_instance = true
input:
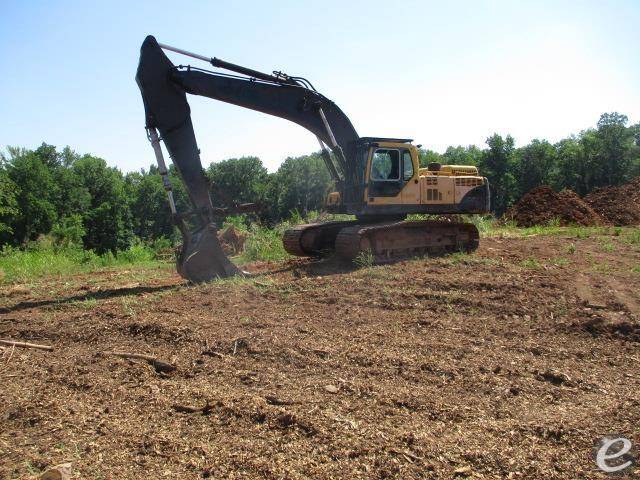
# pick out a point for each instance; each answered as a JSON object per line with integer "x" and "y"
{"x": 80, "y": 199}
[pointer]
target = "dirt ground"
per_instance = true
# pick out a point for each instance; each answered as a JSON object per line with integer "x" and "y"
{"x": 508, "y": 363}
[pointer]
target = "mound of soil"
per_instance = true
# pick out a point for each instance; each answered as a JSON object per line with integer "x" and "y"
{"x": 232, "y": 240}
{"x": 542, "y": 205}
{"x": 618, "y": 205}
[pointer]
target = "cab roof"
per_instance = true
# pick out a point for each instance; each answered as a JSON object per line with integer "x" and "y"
{"x": 383, "y": 139}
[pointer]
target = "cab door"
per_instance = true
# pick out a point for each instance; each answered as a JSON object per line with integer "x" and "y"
{"x": 393, "y": 176}
{"x": 410, "y": 174}
{"x": 385, "y": 179}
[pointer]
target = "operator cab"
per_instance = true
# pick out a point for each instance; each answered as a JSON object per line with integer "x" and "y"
{"x": 390, "y": 169}
{"x": 391, "y": 163}
{"x": 390, "y": 182}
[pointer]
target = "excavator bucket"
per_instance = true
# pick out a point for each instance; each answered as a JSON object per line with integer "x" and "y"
{"x": 167, "y": 112}
{"x": 202, "y": 258}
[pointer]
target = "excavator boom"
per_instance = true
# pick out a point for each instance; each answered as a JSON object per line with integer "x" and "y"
{"x": 164, "y": 87}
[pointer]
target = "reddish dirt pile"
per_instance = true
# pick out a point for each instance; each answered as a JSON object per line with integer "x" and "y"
{"x": 232, "y": 240}
{"x": 618, "y": 205}
{"x": 543, "y": 205}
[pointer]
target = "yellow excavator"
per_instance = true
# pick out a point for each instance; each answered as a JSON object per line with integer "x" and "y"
{"x": 378, "y": 180}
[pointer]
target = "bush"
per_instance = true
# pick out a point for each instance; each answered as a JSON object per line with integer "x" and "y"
{"x": 265, "y": 243}
{"x": 137, "y": 253}
{"x": 68, "y": 231}
{"x": 240, "y": 222}
{"x": 364, "y": 259}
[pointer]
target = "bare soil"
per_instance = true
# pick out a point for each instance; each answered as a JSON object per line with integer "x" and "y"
{"x": 508, "y": 363}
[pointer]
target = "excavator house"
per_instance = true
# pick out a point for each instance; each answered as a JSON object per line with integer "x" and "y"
{"x": 378, "y": 180}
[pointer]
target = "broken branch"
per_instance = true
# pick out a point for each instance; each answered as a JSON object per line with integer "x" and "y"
{"x": 26, "y": 345}
{"x": 159, "y": 365}
{"x": 189, "y": 409}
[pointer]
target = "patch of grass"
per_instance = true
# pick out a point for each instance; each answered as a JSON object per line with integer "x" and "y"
{"x": 23, "y": 265}
{"x": 554, "y": 222}
{"x": 265, "y": 243}
{"x": 33, "y": 470}
{"x": 509, "y": 229}
{"x": 608, "y": 246}
{"x": 583, "y": 232}
{"x": 482, "y": 222}
{"x": 365, "y": 259}
{"x": 87, "y": 304}
{"x": 457, "y": 257}
{"x": 236, "y": 280}
{"x": 571, "y": 248}
{"x": 604, "y": 268}
{"x": 560, "y": 262}
{"x": 128, "y": 308}
{"x": 636, "y": 269}
{"x": 315, "y": 216}
{"x": 530, "y": 263}
{"x": 632, "y": 236}
{"x": 380, "y": 273}
{"x": 238, "y": 221}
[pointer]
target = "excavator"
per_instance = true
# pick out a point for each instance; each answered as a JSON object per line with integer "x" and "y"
{"x": 378, "y": 180}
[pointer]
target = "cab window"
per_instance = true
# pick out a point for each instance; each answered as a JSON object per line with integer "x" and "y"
{"x": 407, "y": 165}
{"x": 385, "y": 165}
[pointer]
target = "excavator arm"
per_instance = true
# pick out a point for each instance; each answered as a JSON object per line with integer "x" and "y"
{"x": 167, "y": 114}
{"x": 291, "y": 102}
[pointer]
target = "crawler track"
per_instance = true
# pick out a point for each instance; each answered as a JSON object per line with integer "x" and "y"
{"x": 313, "y": 239}
{"x": 387, "y": 241}
{"x": 391, "y": 241}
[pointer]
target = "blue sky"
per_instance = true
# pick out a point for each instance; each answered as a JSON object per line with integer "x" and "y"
{"x": 443, "y": 73}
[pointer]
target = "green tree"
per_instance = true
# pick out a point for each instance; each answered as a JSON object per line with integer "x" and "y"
{"x": 572, "y": 170}
{"x": 634, "y": 168}
{"x": 68, "y": 231}
{"x": 425, "y": 157}
{"x": 613, "y": 154}
{"x": 238, "y": 180}
{"x": 535, "y": 165}
{"x": 460, "y": 155}
{"x": 71, "y": 197}
{"x": 149, "y": 205}
{"x": 48, "y": 155}
{"x": 497, "y": 165}
{"x": 107, "y": 220}
{"x": 35, "y": 191}
{"x": 8, "y": 206}
{"x": 300, "y": 184}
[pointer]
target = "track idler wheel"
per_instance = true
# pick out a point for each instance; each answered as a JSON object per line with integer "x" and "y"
{"x": 202, "y": 258}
